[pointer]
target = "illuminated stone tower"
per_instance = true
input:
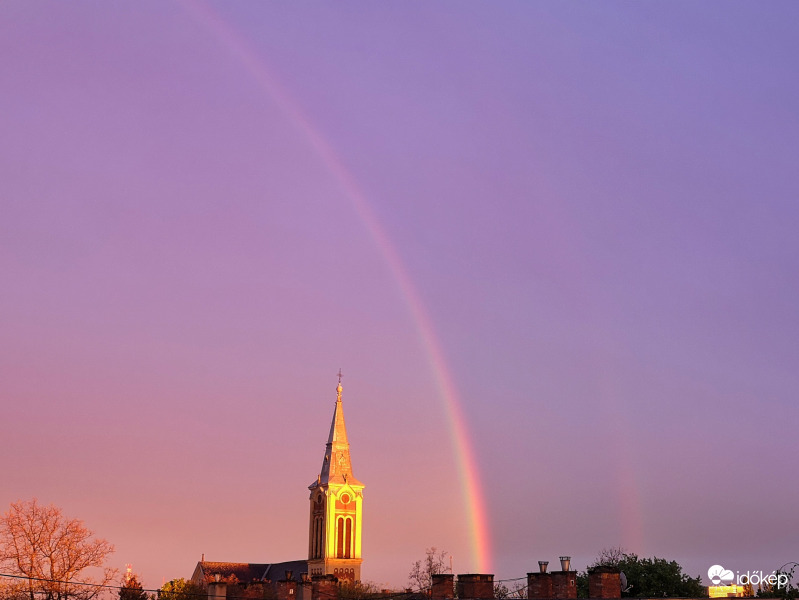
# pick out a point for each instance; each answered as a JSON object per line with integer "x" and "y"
{"x": 334, "y": 537}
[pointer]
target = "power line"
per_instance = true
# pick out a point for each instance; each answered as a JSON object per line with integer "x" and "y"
{"x": 185, "y": 594}
{"x": 182, "y": 594}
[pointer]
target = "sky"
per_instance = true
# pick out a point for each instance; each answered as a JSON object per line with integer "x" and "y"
{"x": 552, "y": 247}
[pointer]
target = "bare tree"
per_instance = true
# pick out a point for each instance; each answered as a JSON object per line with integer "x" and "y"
{"x": 358, "y": 590}
{"x": 422, "y": 571}
{"x": 516, "y": 590}
{"x": 11, "y": 589}
{"x": 52, "y": 554}
{"x": 609, "y": 557}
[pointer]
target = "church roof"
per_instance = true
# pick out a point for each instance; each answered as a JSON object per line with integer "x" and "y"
{"x": 277, "y": 571}
{"x": 338, "y": 431}
{"x": 337, "y": 464}
{"x": 242, "y": 572}
{"x": 249, "y": 572}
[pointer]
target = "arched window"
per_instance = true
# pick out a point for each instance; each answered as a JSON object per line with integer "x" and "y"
{"x": 313, "y": 538}
{"x": 348, "y": 551}
{"x": 316, "y": 537}
{"x": 316, "y": 541}
{"x": 340, "y": 538}
{"x": 320, "y": 538}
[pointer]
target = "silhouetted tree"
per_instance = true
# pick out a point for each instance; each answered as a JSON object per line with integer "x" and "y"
{"x": 646, "y": 577}
{"x": 422, "y": 571}
{"x": 787, "y": 592}
{"x": 609, "y": 557}
{"x": 517, "y": 590}
{"x": 582, "y": 584}
{"x": 132, "y": 589}
{"x": 358, "y": 590}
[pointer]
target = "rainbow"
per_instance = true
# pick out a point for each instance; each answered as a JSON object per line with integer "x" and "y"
{"x": 471, "y": 489}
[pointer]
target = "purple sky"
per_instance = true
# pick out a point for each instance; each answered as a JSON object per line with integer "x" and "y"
{"x": 597, "y": 204}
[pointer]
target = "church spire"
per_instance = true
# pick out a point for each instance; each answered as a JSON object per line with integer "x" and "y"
{"x": 334, "y": 534}
{"x": 338, "y": 431}
{"x": 337, "y": 465}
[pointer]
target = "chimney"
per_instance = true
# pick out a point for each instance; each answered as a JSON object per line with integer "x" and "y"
{"x": 539, "y": 585}
{"x": 604, "y": 582}
{"x": 443, "y": 586}
{"x": 289, "y": 575}
{"x": 564, "y": 582}
{"x": 287, "y": 588}
{"x": 324, "y": 587}
{"x": 477, "y": 586}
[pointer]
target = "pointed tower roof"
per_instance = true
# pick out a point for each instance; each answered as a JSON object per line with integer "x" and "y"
{"x": 336, "y": 464}
{"x": 338, "y": 431}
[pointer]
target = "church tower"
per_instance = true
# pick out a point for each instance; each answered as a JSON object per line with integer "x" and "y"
{"x": 334, "y": 537}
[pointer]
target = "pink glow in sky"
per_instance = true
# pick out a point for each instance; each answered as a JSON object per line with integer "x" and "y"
{"x": 562, "y": 237}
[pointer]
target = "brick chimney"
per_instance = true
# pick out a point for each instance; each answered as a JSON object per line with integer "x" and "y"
{"x": 475, "y": 586}
{"x": 324, "y": 587}
{"x": 443, "y": 586}
{"x": 604, "y": 582}
{"x": 564, "y": 582}
{"x": 287, "y": 588}
{"x": 539, "y": 585}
